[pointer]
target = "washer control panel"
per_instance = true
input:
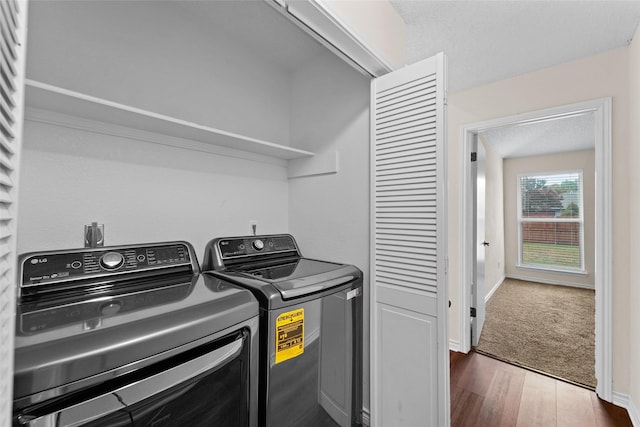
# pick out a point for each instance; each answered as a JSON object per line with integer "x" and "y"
{"x": 251, "y": 246}
{"x": 49, "y": 267}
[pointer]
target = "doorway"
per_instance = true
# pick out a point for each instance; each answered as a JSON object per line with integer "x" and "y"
{"x": 601, "y": 110}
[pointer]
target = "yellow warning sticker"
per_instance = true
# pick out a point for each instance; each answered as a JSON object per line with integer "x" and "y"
{"x": 289, "y": 335}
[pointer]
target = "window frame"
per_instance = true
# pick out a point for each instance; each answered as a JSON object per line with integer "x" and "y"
{"x": 580, "y": 220}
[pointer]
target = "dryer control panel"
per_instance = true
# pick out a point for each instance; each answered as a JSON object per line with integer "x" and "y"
{"x": 225, "y": 252}
{"x": 255, "y": 246}
{"x": 44, "y": 269}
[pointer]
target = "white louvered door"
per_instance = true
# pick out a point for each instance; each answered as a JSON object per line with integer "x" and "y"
{"x": 410, "y": 361}
{"x": 12, "y": 59}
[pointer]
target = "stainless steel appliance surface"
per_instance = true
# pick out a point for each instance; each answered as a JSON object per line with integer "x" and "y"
{"x": 310, "y": 329}
{"x": 132, "y": 335}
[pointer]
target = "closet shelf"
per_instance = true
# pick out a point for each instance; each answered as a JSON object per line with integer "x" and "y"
{"x": 48, "y": 97}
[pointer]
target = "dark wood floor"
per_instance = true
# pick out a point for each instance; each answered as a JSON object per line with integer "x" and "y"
{"x": 487, "y": 392}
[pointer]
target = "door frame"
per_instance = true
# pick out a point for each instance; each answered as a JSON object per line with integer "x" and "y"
{"x": 603, "y": 226}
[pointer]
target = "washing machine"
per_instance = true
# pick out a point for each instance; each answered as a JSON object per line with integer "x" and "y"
{"x": 311, "y": 329}
{"x": 132, "y": 335}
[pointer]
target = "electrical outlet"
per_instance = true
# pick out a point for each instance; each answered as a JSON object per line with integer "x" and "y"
{"x": 253, "y": 227}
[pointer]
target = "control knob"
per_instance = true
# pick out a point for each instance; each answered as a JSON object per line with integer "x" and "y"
{"x": 258, "y": 245}
{"x": 111, "y": 260}
{"x": 109, "y": 308}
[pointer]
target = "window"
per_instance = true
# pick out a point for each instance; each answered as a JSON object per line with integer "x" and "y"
{"x": 551, "y": 221}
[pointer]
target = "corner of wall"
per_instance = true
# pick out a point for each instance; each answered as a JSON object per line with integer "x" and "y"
{"x": 365, "y": 18}
{"x": 634, "y": 227}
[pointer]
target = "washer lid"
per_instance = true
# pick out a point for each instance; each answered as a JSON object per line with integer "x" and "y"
{"x": 299, "y": 277}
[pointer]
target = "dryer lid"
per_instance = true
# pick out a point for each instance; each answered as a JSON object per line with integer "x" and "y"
{"x": 302, "y": 276}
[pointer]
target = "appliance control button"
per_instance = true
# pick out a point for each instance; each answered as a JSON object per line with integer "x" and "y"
{"x": 76, "y": 264}
{"x": 258, "y": 245}
{"x": 109, "y": 308}
{"x": 111, "y": 260}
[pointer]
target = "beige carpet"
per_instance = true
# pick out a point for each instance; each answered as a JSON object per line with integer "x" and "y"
{"x": 546, "y": 328}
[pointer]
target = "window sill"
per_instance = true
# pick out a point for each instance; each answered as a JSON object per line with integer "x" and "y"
{"x": 575, "y": 272}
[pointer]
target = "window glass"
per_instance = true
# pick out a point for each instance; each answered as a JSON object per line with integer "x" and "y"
{"x": 551, "y": 221}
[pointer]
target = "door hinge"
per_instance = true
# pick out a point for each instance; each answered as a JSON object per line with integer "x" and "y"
{"x": 473, "y": 312}
{"x": 474, "y": 156}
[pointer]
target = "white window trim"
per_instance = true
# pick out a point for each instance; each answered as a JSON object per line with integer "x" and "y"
{"x": 542, "y": 267}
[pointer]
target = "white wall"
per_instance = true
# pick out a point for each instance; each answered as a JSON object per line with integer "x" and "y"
{"x": 589, "y": 78}
{"x": 572, "y": 161}
{"x": 634, "y": 225}
{"x": 142, "y": 192}
{"x": 329, "y": 214}
{"x": 494, "y": 219}
{"x": 158, "y": 56}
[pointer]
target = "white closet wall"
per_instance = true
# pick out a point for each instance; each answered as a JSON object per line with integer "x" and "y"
{"x": 169, "y": 58}
{"x": 329, "y": 214}
{"x": 142, "y": 192}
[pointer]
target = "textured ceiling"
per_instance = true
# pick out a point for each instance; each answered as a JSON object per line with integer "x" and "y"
{"x": 487, "y": 41}
{"x": 552, "y": 136}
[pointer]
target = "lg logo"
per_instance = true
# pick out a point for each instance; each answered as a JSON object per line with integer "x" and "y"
{"x": 35, "y": 261}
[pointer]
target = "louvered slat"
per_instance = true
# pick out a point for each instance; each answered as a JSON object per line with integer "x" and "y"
{"x": 405, "y": 113}
{"x": 401, "y": 252}
{"x": 415, "y": 149}
{"x": 7, "y": 97}
{"x": 6, "y": 127}
{"x": 398, "y": 132}
{"x": 5, "y": 195}
{"x": 6, "y": 110}
{"x": 408, "y": 88}
{"x": 5, "y": 248}
{"x": 383, "y": 194}
{"x": 12, "y": 27}
{"x": 406, "y": 92}
{"x": 406, "y": 119}
{"x": 9, "y": 71}
{"x": 6, "y": 145}
{"x": 8, "y": 25}
{"x": 5, "y": 270}
{"x": 405, "y": 155}
{"x": 15, "y": 7}
{"x": 402, "y": 143}
{"x": 6, "y": 161}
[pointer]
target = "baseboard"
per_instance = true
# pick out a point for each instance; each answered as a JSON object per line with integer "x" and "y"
{"x": 549, "y": 282}
{"x": 454, "y": 346}
{"x": 624, "y": 401}
{"x": 634, "y": 414}
{"x": 493, "y": 289}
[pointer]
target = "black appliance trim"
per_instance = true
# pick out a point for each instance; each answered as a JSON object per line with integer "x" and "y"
{"x": 79, "y": 396}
